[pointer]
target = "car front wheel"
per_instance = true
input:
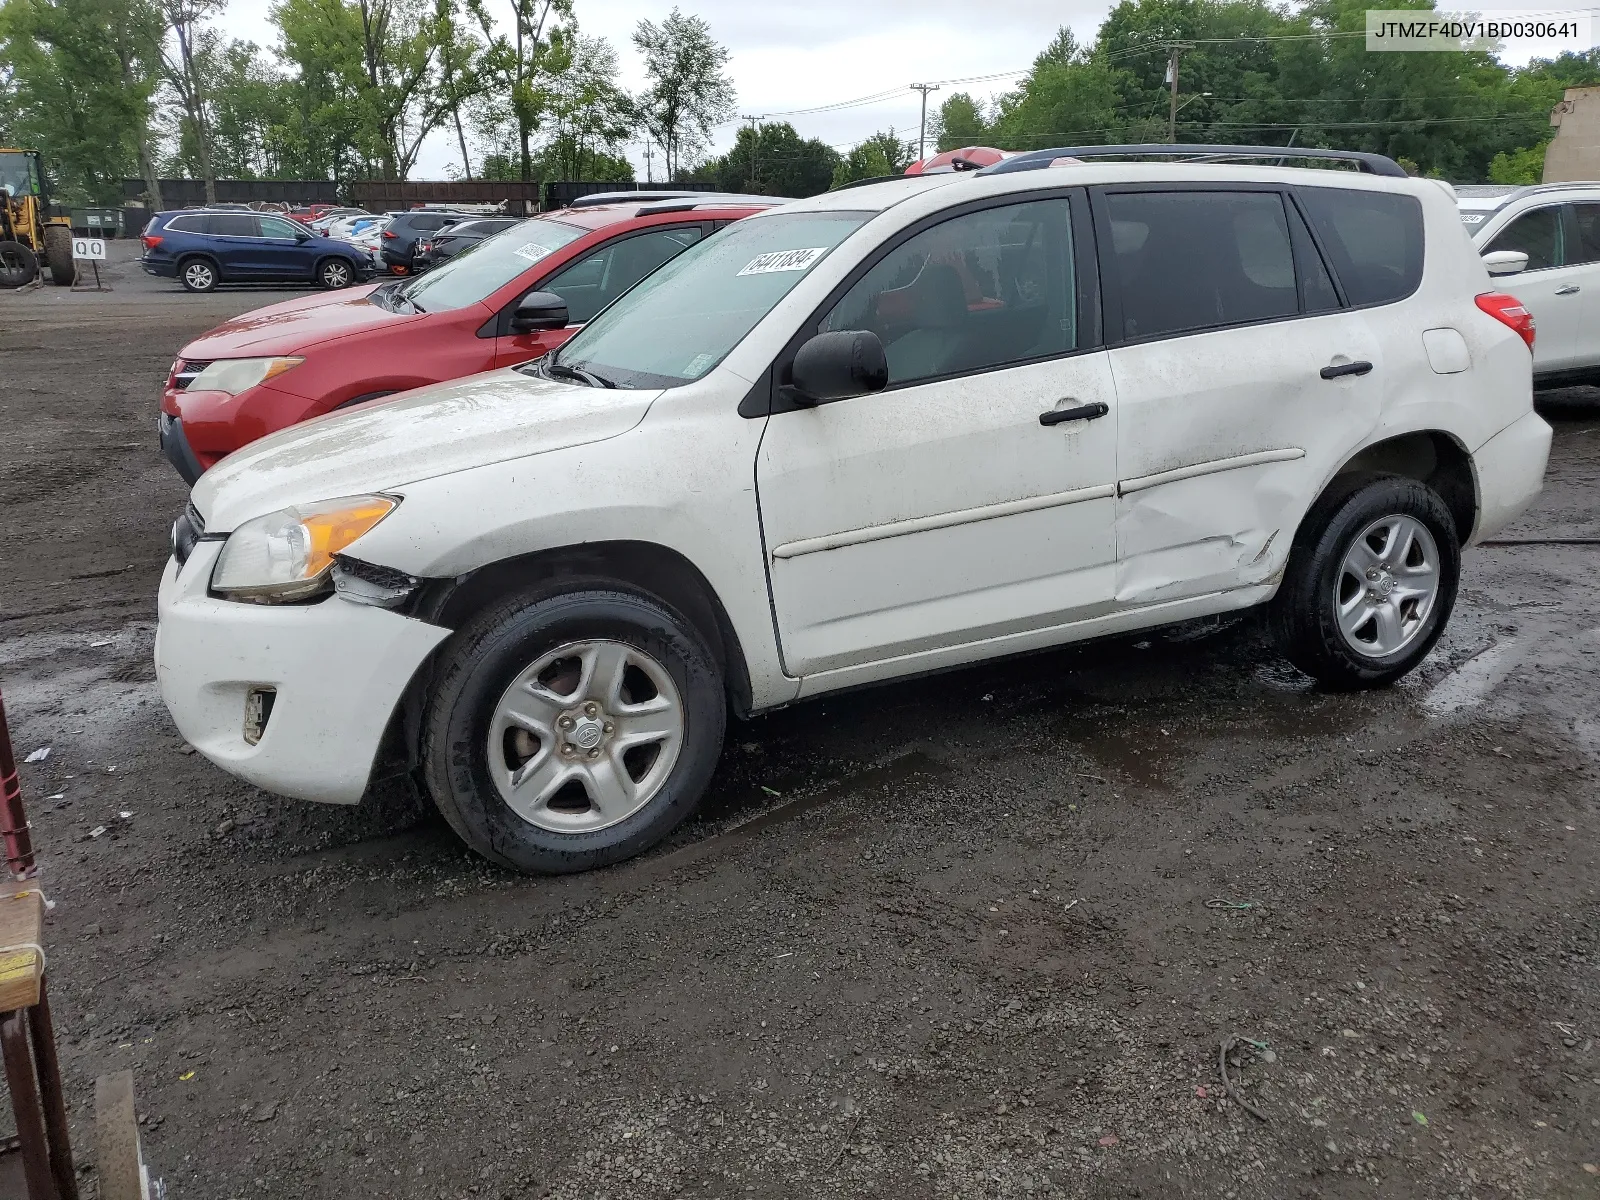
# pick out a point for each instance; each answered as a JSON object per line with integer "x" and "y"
{"x": 571, "y": 731}
{"x": 197, "y": 275}
{"x": 335, "y": 273}
{"x": 1370, "y": 582}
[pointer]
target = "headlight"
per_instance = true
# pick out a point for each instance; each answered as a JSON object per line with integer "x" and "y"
{"x": 235, "y": 375}
{"x": 288, "y": 555}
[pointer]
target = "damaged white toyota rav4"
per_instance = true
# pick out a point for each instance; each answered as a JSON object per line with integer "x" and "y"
{"x": 887, "y": 430}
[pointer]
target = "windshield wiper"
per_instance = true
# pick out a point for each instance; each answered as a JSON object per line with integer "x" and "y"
{"x": 560, "y": 370}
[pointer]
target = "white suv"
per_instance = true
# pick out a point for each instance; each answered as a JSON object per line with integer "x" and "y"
{"x": 1543, "y": 243}
{"x": 887, "y": 430}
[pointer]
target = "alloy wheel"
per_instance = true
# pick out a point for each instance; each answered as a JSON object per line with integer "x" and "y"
{"x": 586, "y": 736}
{"x": 1387, "y": 586}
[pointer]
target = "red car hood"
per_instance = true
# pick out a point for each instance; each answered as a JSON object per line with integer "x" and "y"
{"x": 287, "y": 327}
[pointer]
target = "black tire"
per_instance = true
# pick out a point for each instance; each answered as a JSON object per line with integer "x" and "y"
{"x": 198, "y": 274}
{"x": 18, "y": 265}
{"x": 58, "y": 253}
{"x": 335, "y": 273}
{"x": 1303, "y": 619}
{"x": 481, "y": 663}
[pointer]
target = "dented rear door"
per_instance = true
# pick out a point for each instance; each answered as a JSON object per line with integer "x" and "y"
{"x": 1239, "y": 378}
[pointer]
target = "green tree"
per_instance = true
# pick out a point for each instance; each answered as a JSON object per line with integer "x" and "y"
{"x": 884, "y": 153}
{"x": 1069, "y": 97}
{"x": 192, "y": 42}
{"x": 959, "y": 122}
{"x": 771, "y": 160}
{"x": 77, "y": 78}
{"x": 689, "y": 93}
{"x": 512, "y": 108}
{"x": 1518, "y": 166}
{"x": 588, "y": 117}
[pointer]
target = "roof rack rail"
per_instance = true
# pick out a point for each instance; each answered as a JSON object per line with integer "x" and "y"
{"x": 1034, "y": 160}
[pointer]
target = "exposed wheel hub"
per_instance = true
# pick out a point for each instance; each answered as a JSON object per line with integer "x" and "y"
{"x": 584, "y": 731}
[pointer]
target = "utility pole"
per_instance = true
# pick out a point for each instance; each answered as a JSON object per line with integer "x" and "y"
{"x": 1172, "y": 94}
{"x": 922, "y": 130}
{"x": 649, "y": 168}
{"x": 755, "y": 151}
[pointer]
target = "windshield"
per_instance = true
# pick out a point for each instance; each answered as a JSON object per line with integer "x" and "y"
{"x": 475, "y": 274}
{"x": 683, "y": 319}
{"x": 17, "y": 173}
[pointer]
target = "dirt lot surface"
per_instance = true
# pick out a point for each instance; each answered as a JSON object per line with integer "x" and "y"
{"x": 973, "y": 936}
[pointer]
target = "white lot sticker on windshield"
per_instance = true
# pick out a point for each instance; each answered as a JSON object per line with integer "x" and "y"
{"x": 1471, "y": 218}
{"x": 532, "y": 251}
{"x": 784, "y": 260}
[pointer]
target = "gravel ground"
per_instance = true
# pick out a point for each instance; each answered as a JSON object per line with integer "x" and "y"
{"x": 979, "y": 935}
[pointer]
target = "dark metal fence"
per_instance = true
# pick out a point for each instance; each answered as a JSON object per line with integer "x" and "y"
{"x": 187, "y": 193}
{"x": 376, "y": 195}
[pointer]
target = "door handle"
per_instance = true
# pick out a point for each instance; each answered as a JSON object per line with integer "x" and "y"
{"x": 1343, "y": 369}
{"x": 1084, "y": 412}
{"x": 1571, "y": 289}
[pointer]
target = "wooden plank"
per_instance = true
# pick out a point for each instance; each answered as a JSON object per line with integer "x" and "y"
{"x": 21, "y": 929}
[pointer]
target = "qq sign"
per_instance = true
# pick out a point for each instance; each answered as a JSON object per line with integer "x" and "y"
{"x": 91, "y": 248}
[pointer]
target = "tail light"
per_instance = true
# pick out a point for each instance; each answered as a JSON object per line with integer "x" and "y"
{"x": 424, "y": 247}
{"x": 389, "y": 233}
{"x": 1509, "y": 311}
{"x": 150, "y": 241}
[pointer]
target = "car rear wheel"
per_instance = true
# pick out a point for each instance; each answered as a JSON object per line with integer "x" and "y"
{"x": 1370, "y": 582}
{"x": 197, "y": 275}
{"x": 334, "y": 273}
{"x": 574, "y": 730}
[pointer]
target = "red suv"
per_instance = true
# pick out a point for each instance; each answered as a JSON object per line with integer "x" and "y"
{"x": 514, "y": 296}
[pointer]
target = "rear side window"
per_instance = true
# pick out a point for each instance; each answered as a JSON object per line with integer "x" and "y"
{"x": 231, "y": 225}
{"x": 187, "y": 225}
{"x": 1537, "y": 234}
{"x": 1373, "y": 238}
{"x": 1584, "y": 245}
{"x": 1192, "y": 260}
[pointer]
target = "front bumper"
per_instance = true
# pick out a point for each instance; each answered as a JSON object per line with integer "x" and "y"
{"x": 176, "y": 447}
{"x": 339, "y": 670}
{"x": 1510, "y": 469}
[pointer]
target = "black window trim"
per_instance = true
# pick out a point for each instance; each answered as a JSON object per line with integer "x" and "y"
{"x": 767, "y": 397}
{"x": 1562, "y": 231}
{"x": 499, "y": 325}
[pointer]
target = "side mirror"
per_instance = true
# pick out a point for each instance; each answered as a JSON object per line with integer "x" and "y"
{"x": 539, "y": 310}
{"x": 1505, "y": 262}
{"x": 836, "y": 366}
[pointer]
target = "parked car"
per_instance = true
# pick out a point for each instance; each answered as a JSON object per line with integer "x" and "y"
{"x": 323, "y": 225}
{"x": 880, "y": 432}
{"x": 453, "y": 239}
{"x": 1543, "y": 244}
{"x": 345, "y": 228}
{"x": 399, "y": 242}
{"x": 202, "y": 248}
{"x": 302, "y": 358}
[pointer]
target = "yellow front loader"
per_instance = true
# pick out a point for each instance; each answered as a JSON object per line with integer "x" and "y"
{"x": 28, "y": 234}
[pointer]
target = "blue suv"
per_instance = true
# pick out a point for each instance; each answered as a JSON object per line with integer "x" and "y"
{"x": 201, "y": 248}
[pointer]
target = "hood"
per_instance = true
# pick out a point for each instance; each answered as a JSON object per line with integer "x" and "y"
{"x": 385, "y": 444}
{"x": 293, "y": 324}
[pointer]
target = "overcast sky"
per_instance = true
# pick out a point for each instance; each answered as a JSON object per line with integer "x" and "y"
{"x": 798, "y": 54}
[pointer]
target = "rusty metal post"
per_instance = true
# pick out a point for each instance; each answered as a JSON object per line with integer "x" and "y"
{"x": 13, "y": 820}
{"x": 25, "y": 1104}
{"x": 43, "y": 1032}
